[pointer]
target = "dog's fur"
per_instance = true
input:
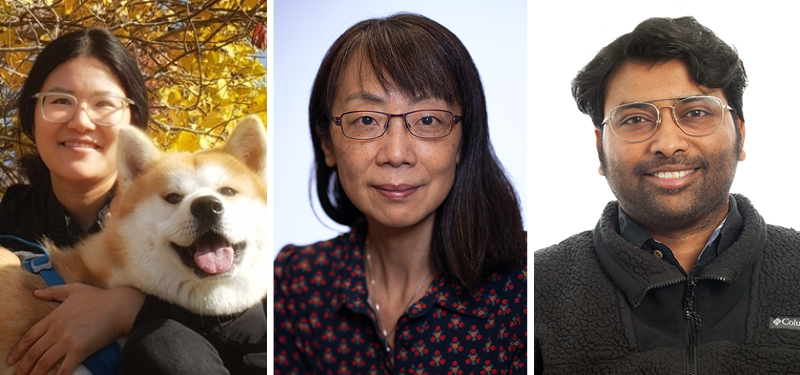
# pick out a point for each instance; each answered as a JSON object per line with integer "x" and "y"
{"x": 164, "y": 205}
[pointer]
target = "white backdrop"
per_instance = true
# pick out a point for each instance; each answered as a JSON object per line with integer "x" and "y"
{"x": 567, "y": 194}
{"x": 303, "y": 32}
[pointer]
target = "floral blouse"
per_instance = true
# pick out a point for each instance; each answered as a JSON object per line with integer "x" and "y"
{"x": 324, "y": 325}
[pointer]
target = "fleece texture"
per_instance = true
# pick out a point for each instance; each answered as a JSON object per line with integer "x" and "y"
{"x": 587, "y": 287}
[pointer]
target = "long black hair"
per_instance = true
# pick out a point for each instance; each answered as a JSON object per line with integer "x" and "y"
{"x": 95, "y": 43}
{"x": 478, "y": 228}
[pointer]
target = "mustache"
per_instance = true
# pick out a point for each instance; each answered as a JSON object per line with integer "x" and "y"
{"x": 647, "y": 165}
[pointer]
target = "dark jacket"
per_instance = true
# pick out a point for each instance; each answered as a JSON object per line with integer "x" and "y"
{"x": 737, "y": 316}
{"x": 240, "y": 340}
{"x": 32, "y": 212}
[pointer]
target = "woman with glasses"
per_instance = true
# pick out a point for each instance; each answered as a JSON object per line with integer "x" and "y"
{"x": 81, "y": 90}
{"x": 83, "y": 87}
{"x": 433, "y": 270}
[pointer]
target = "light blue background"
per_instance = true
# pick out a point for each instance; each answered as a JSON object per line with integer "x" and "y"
{"x": 303, "y": 32}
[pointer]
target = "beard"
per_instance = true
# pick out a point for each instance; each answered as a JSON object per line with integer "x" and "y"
{"x": 695, "y": 205}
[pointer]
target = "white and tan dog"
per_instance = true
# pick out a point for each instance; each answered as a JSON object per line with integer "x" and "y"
{"x": 187, "y": 228}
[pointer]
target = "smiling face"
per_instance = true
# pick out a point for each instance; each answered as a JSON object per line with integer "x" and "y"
{"x": 396, "y": 180}
{"x": 671, "y": 181}
{"x": 78, "y": 150}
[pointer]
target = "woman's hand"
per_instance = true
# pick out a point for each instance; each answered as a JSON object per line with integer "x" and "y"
{"x": 87, "y": 320}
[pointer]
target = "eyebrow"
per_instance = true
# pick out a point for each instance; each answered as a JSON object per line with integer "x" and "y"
{"x": 71, "y": 92}
{"x": 365, "y": 96}
{"x": 681, "y": 97}
{"x": 370, "y": 97}
{"x": 420, "y": 98}
{"x": 636, "y": 105}
{"x": 61, "y": 90}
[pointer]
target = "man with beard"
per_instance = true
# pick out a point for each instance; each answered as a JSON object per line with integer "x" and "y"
{"x": 678, "y": 276}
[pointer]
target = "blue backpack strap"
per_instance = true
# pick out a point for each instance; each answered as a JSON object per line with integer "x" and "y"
{"x": 104, "y": 362}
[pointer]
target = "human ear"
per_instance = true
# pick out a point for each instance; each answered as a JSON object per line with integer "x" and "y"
{"x": 327, "y": 149}
{"x": 597, "y": 139}
{"x": 742, "y": 154}
{"x": 597, "y": 136}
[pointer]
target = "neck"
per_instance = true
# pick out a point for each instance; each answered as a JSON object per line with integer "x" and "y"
{"x": 82, "y": 200}
{"x": 400, "y": 256}
{"x": 687, "y": 243}
{"x": 398, "y": 268}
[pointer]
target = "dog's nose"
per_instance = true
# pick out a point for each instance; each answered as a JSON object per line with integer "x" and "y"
{"x": 207, "y": 208}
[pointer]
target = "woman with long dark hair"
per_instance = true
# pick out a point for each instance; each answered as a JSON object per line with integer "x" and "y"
{"x": 81, "y": 90}
{"x": 433, "y": 270}
{"x": 83, "y": 87}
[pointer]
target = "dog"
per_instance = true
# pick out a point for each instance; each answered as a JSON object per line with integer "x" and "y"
{"x": 188, "y": 228}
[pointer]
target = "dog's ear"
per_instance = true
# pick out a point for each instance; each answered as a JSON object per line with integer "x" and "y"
{"x": 135, "y": 154}
{"x": 248, "y": 142}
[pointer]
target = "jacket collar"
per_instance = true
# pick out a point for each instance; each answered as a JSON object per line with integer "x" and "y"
{"x": 723, "y": 237}
{"x": 62, "y": 229}
{"x": 636, "y": 271}
{"x": 442, "y": 291}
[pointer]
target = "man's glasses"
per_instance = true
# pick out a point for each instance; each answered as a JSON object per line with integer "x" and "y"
{"x": 695, "y": 115}
{"x": 103, "y": 110}
{"x": 427, "y": 123}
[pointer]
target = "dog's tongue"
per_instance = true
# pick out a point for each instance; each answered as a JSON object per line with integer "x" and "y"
{"x": 213, "y": 255}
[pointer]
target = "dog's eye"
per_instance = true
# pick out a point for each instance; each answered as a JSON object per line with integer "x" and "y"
{"x": 173, "y": 198}
{"x": 227, "y": 191}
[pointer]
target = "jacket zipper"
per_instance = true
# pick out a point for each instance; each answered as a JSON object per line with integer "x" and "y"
{"x": 692, "y": 317}
{"x": 656, "y": 286}
{"x": 693, "y": 326}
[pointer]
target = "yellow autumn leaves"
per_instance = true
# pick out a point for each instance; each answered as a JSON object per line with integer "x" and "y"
{"x": 201, "y": 64}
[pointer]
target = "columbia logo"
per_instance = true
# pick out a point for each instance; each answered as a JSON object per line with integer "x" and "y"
{"x": 785, "y": 322}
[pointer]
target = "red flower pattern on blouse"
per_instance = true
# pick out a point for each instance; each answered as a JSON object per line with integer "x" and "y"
{"x": 324, "y": 325}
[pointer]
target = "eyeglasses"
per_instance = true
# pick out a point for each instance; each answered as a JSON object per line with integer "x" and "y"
{"x": 103, "y": 110}
{"x": 427, "y": 123}
{"x": 695, "y": 115}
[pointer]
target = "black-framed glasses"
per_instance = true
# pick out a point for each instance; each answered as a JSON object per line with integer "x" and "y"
{"x": 695, "y": 115}
{"x": 426, "y": 123}
{"x": 103, "y": 110}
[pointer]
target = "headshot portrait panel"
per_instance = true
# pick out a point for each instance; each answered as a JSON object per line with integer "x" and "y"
{"x": 567, "y": 192}
{"x": 662, "y": 225}
{"x": 495, "y": 38}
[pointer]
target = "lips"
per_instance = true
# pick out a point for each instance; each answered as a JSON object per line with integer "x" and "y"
{"x": 396, "y": 192}
{"x": 673, "y": 174}
{"x": 80, "y": 144}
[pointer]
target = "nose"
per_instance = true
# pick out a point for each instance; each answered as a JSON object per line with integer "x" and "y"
{"x": 80, "y": 121}
{"x": 397, "y": 144}
{"x": 669, "y": 139}
{"x": 207, "y": 209}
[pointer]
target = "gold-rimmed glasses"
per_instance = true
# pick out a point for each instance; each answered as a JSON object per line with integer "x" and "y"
{"x": 695, "y": 115}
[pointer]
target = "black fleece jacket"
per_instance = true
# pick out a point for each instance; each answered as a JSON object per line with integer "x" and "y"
{"x": 741, "y": 315}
